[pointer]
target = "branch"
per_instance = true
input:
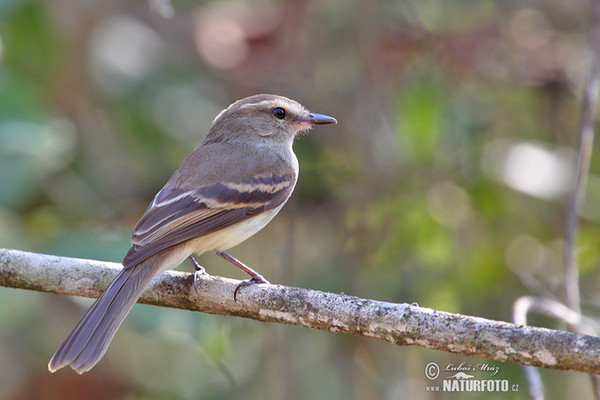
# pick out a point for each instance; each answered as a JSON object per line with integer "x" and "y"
{"x": 402, "y": 324}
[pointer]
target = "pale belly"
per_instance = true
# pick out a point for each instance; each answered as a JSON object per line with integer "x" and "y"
{"x": 220, "y": 240}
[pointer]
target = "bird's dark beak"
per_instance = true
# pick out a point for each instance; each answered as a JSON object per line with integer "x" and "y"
{"x": 318, "y": 119}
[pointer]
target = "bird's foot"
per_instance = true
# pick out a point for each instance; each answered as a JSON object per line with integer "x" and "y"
{"x": 252, "y": 281}
{"x": 255, "y": 277}
{"x": 198, "y": 270}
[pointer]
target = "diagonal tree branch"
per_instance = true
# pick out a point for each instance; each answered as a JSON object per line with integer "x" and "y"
{"x": 402, "y": 324}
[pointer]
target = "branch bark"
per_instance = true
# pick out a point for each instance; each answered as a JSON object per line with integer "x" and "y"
{"x": 401, "y": 324}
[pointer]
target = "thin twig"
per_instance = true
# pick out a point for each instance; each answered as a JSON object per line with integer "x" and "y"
{"x": 523, "y": 305}
{"x": 414, "y": 16}
{"x": 586, "y": 142}
{"x": 521, "y": 308}
{"x": 401, "y": 324}
{"x": 534, "y": 379}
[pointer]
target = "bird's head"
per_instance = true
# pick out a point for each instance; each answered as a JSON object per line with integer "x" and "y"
{"x": 264, "y": 118}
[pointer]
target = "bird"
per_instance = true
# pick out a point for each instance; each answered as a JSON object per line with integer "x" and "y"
{"x": 225, "y": 191}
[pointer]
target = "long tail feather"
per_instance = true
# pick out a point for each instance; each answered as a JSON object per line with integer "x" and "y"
{"x": 90, "y": 338}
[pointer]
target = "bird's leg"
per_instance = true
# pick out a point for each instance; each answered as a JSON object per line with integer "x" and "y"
{"x": 199, "y": 270}
{"x": 255, "y": 277}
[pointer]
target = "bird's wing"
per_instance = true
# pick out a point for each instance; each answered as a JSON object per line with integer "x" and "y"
{"x": 177, "y": 215}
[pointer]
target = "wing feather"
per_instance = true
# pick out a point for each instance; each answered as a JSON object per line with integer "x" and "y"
{"x": 178, "y": 215}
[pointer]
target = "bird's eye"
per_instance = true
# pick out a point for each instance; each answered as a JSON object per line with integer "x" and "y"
{"x": 278, "y": 112}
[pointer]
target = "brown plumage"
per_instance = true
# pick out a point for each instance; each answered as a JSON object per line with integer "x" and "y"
{"x": 228, "y": 189}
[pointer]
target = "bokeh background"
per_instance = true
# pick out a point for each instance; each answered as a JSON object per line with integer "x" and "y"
{"x": 443, "y": 184}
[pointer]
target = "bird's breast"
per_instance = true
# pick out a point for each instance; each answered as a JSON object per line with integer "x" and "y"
{"x": 233, "y": 235}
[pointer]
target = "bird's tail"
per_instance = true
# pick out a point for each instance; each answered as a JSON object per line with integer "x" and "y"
{"x": 89, "y": 340}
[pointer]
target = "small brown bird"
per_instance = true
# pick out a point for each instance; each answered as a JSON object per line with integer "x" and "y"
{"x": 228, "y": 189}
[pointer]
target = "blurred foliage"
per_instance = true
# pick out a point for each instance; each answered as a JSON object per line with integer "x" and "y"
{"x": 444, "y": 183}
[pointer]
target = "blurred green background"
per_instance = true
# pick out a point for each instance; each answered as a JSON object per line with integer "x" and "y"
{"x": 443, "y": 184}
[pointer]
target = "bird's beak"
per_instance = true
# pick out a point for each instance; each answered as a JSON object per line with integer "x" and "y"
{"x": 318, "y": 119}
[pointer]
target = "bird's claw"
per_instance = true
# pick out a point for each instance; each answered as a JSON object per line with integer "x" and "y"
{"x": 199, "y": 270}
{"x": 252, "y": 281}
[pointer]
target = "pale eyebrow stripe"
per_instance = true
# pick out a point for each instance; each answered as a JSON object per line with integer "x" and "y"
{"x": 244, "y": 106}
{"x": 260, "y": 103}
{"x": 294, "y": 107}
